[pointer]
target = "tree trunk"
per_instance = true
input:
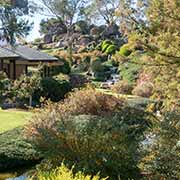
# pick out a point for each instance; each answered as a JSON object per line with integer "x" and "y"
{"x": 70, "y": 48}
{"x": 30, "y": 101}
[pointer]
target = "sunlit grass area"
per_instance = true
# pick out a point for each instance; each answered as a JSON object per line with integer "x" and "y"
{"x": 10, "y": 119}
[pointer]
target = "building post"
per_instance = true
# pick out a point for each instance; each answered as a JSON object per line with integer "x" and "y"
{"x": 14, "y": 69}
{"x": 2, "y": 65}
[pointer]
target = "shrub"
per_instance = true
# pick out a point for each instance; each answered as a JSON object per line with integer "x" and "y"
{"x": 165, "y": 162}
{"x": 129, "y": 71}
{"x": 4, "y": 83}
{"x": 24, "y": 88}
{"x": 124, "y": 51}
{"x": 111, "y": 49}
{"x": 15, "y": 151}
{"x": 89, "y": 101}
{"x": 63, "y": 173}
{"x": 107, "y": 144}
{"x": 54, "y": 88}
{"x": 100, "y": 76}
{"x": 96, "y": 65}
{"x": 104, "y": 47}
{"x": 108, "y": 47}
{"x": 105, "y": 44}
{"x": 122, "y": 87}
{"x": 78, "y": 80}
{"x": 144, "y": 90}
{"x": 93, "y": 130}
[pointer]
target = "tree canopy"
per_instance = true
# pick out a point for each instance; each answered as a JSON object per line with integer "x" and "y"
{"x": 12, "y": 25}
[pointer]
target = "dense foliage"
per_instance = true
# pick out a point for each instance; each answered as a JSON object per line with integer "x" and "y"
{"x": 155, "y": 24}
{"x": 4, "y": 83}
{"x": 54, "y": 89}
{"x": 13, "y": 26}
{"x": 166, "y": 163}
{"x": 93, "y": 130}
{"x": 15, "y": 151}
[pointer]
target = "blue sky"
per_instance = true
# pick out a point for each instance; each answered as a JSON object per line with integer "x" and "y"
{"x": 36, "y": 19}
{"x": 35, "y": 31}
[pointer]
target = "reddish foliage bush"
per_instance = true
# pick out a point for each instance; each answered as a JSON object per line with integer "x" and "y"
{"x": 144, "y": 77}
{"x": 90, "y": 102}
{"x": 144, "y": 90}
{"x": 145, "y": 85}
{"x": 86, "y": 101}
{"x": 122, "y": 87}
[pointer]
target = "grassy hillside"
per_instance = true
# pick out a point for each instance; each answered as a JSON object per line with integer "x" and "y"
{"x": 10, "y": 119}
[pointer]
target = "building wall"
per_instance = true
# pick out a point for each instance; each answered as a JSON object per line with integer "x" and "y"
{"x": 20, "y": 69}
{"x": 8, "y": 67}
{"x": 5, "y": 68}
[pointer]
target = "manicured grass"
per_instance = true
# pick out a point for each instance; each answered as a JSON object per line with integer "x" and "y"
{"x": 10, "y": 119}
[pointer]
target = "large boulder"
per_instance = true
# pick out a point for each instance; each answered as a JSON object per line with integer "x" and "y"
{"x": 111, "y": 30}
{"x": 85, "y": 40}
{"x": 48, "y": 38}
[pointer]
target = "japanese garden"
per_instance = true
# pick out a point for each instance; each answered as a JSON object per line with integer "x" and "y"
{"x": 89, "y": 89}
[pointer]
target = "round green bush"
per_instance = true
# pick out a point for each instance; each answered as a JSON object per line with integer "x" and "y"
{"x": 54, "y": 89}
{"x": 100, "y": 76}
{"x": 15, "y": 151}
{"x": 111, "y": 49}
{"x": 104, "y": 47}
{"x": 124, "y": 51}
{"x": 96, "y": 65}
{"x": 106, "y": 42}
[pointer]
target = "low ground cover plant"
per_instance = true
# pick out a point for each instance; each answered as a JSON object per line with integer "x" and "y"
{"x": 64, "y": 173}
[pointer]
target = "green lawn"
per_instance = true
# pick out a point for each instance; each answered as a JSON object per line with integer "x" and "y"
{"x": 10, "y": 119}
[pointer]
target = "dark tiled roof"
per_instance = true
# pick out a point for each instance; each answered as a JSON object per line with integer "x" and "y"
{"x": 26, "y": 53}
{"x": 5, "y": 53}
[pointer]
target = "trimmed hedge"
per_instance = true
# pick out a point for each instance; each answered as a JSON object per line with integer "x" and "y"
{"x": 15, "y": 152}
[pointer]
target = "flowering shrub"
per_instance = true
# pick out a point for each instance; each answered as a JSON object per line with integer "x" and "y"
{"x": 4, "y": 83}
{"x": 24, "y": 88}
